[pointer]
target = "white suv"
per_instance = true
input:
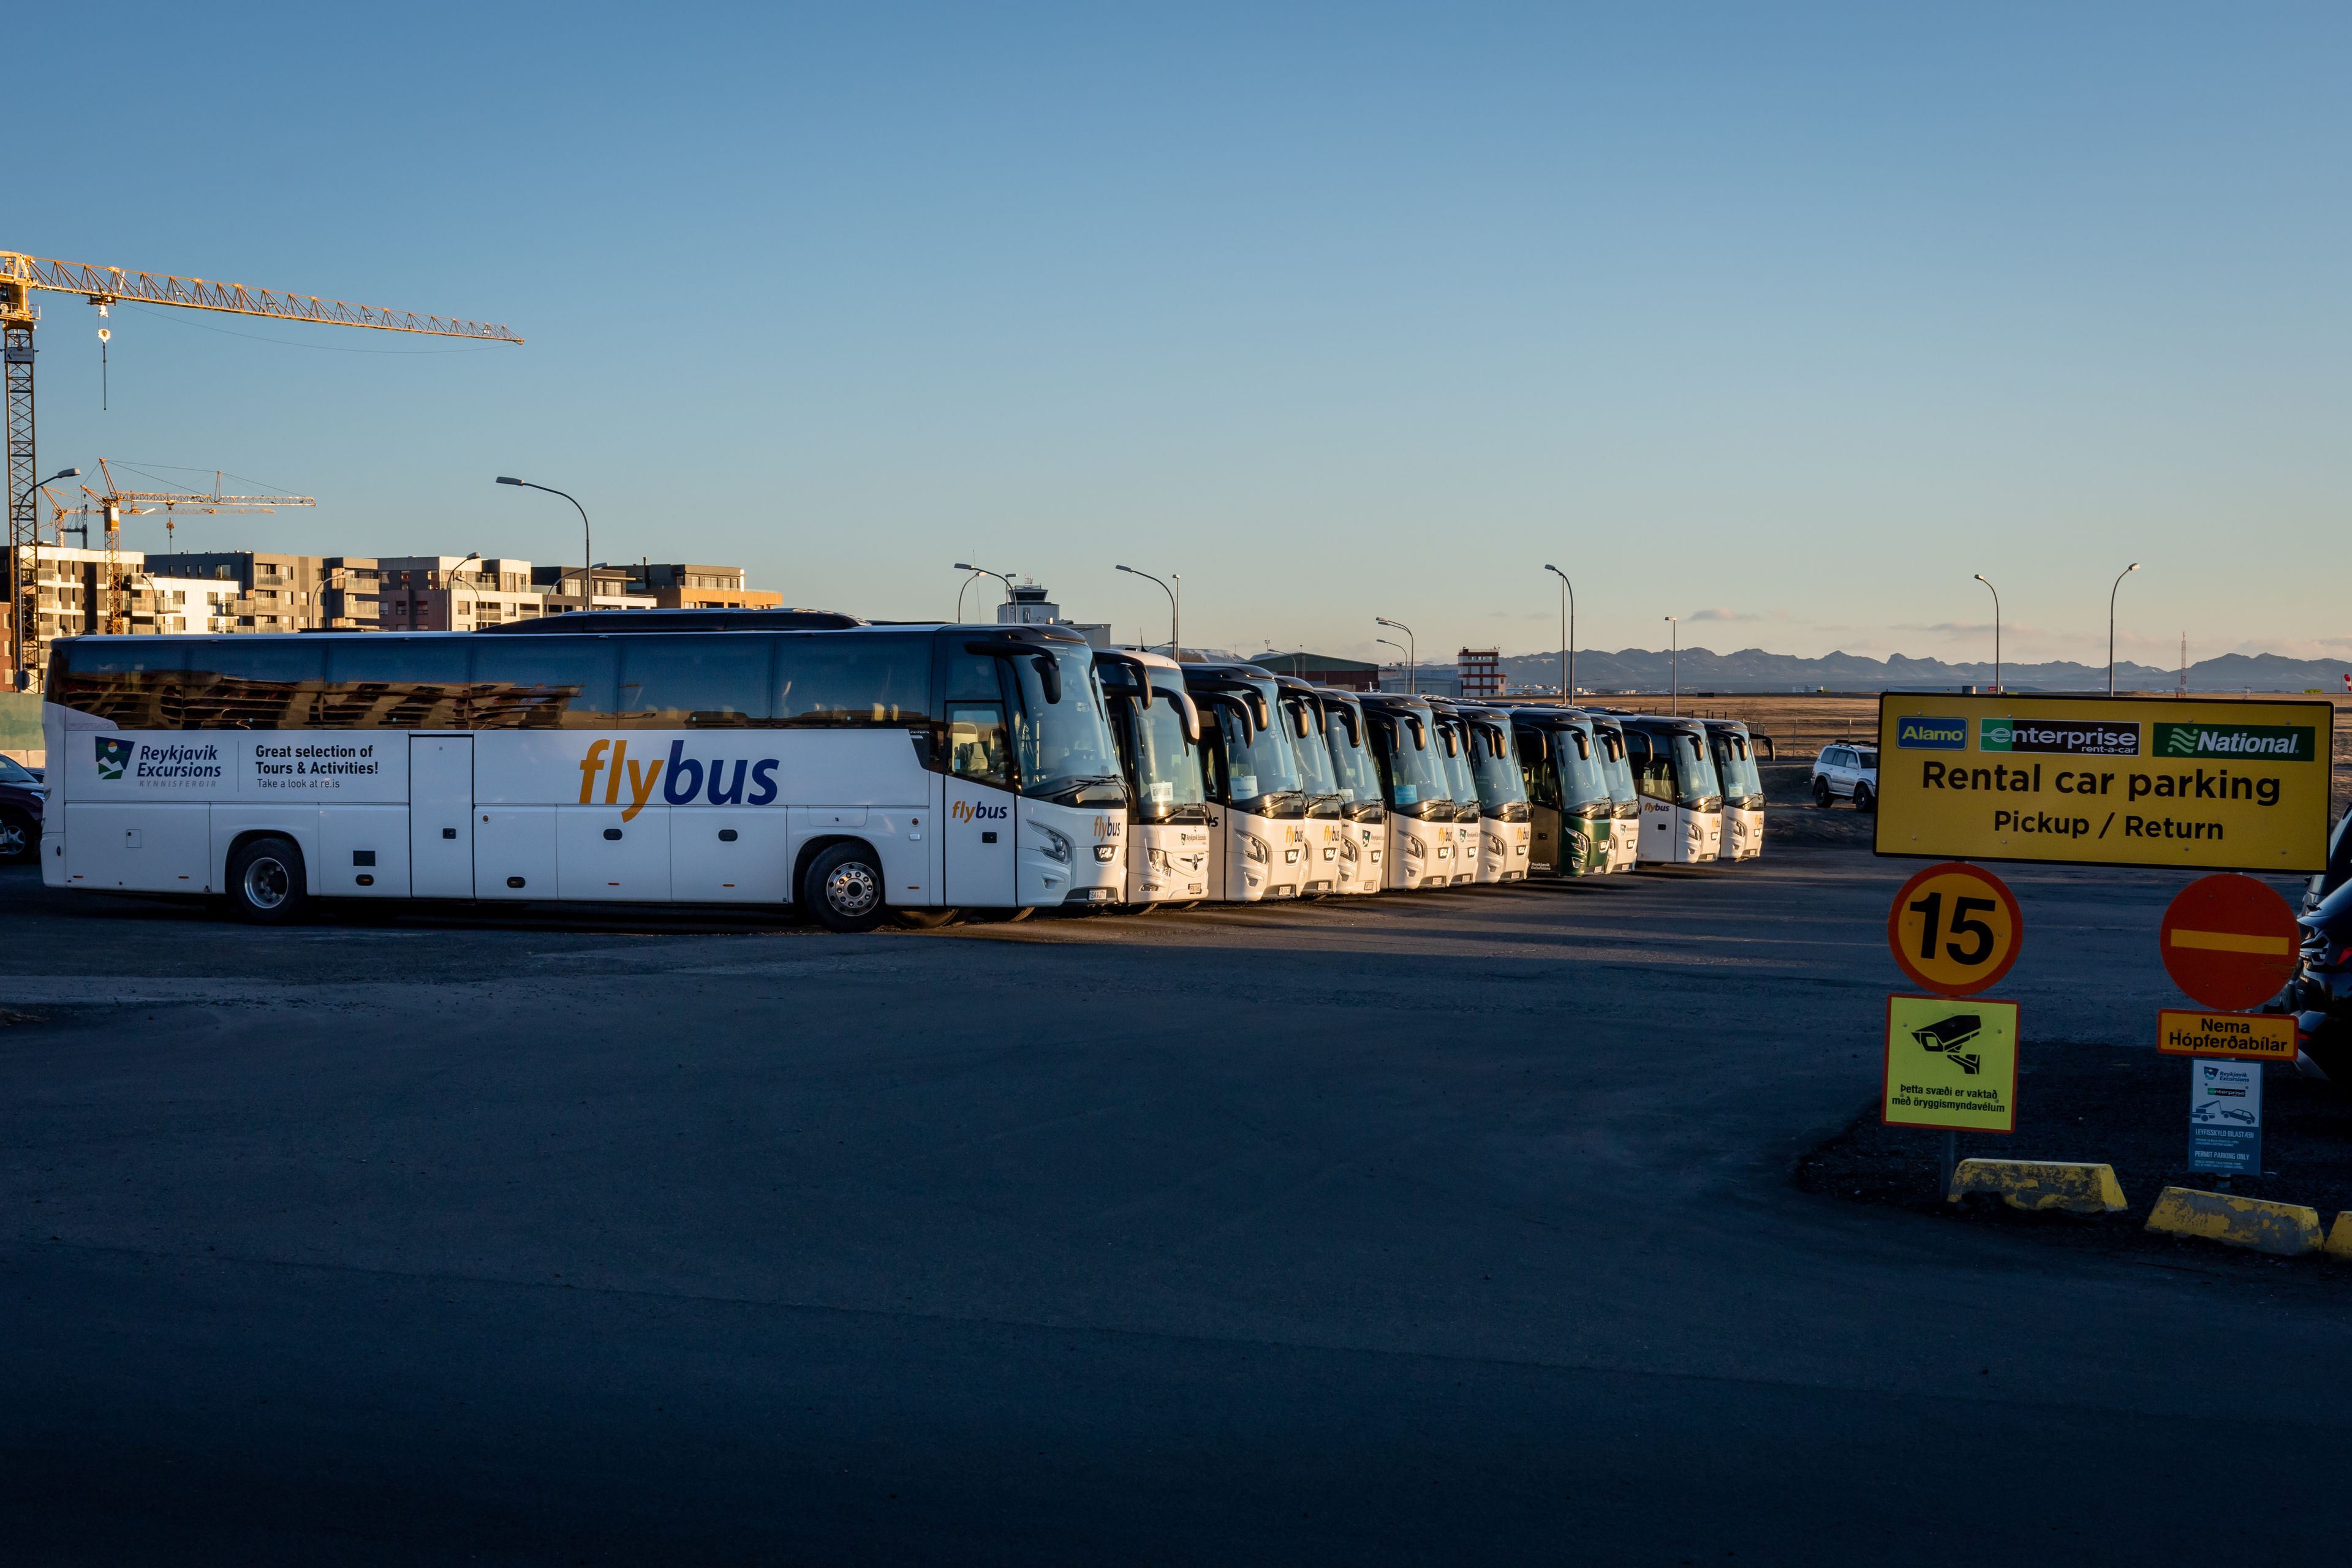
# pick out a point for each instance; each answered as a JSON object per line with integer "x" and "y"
{"x": 1848, "y": 771}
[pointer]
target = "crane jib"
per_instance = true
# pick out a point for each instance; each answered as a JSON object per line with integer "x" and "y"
{"x": 106, "y": 284}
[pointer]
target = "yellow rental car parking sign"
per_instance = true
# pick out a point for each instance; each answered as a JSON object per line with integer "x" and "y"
{"x": 2204, "y": 786}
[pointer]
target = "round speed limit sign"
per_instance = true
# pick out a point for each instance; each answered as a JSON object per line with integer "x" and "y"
{"x": 1955, "y": 929}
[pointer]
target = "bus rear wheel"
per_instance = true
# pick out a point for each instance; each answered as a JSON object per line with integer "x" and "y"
{"x": 926, "y": 919}
{"x": 844, "y": 889}
{"x": 266, "y": 881}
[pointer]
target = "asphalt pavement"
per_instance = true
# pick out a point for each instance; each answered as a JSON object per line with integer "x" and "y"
{"x": 1453, "y": 1227}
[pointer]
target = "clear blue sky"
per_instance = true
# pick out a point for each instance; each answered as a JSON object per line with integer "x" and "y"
{"x": 1783, "y": 318}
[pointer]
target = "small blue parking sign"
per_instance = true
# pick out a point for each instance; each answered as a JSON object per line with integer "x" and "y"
{"x": 2225, "y": 1116}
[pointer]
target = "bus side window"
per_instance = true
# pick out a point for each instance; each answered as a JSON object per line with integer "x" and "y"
{"x": 976, "y": 742}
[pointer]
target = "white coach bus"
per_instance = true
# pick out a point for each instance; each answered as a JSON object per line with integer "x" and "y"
{"x": 1159, "y": 731}
{"x": 605, "y": 757}
{"x": 1682, "y": 800}
{"x": 1743, "y": 787}
{"x": 1257, "y": 802}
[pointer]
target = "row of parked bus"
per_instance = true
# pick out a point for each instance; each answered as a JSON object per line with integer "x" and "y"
{"x": 1245, "y": 785}
{"x": 863, "y": 771}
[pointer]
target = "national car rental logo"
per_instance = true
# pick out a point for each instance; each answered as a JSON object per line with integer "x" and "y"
{"x": 113, "y": 756}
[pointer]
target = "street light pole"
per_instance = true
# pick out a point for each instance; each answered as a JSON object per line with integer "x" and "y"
{"x": 587, "y": 552}
{"x": 1996, "y": 631}
{"x": 457, "y": 577}
{"x": 1391, "y": 643}
{"x": 1175, "y": 608}
{"x": 2111, "y": 623}
{"x": 983, "y": 571}
{"x": 20, "y": 572}
{"x": 1412, "y": 656}
{"x": 1566, "y": 635}
{"x": 1677, "y": 635}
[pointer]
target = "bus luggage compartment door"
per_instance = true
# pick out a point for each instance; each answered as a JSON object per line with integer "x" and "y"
{"x": 441, "y": 815}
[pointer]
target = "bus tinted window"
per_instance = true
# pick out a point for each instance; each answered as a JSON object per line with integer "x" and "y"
{"x": 867, "y": 679}
{"x": 256, "y": 683}
{"x": 694, "y": 679}
{"x": 135, "y": 683}
{"x": 544, "y": 683}
{"x": 394, "y": 683}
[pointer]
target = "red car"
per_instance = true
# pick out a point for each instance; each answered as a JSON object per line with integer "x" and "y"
{"x": 21, "y": 796}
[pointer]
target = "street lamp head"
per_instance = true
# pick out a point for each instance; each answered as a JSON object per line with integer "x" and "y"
{"x": 1553, "y": 570}
{"x": 2132, "y": 568}
{"x": 504, "y": 480}
{"x": 1980, "y": 577}
{"x": 965, "y": 566}
{"x": 69, "y": 473}
{"x": 1125, "y": 568}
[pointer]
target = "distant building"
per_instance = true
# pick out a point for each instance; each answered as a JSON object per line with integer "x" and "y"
{"x": 685, "y": 586}
{"x": 1323, "y": 670}
{"x": 275, "y": 593}
{"x": 1028, "y": 606}
{"x": 1479, "y": 671}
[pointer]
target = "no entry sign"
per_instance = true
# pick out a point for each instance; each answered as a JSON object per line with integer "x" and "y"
{"x": 2230, "y": 942}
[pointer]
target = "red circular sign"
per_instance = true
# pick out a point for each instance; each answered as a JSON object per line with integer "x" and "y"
{"x": 2230, "y": 942}
{"x": 1955, "y": 929}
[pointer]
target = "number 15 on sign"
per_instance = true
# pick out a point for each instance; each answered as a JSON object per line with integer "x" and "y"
{"x": 1955, "y": 929}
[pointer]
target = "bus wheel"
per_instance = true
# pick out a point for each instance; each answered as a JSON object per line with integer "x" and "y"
{"x": 927, "y": 919}
{"x": 265, "y": 882}
{"x": 844, "y": 888}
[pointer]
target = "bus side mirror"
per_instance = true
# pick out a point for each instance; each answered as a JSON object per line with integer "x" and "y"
{"x": 1049, "y": 675}
{"x": 1420, "y": 733}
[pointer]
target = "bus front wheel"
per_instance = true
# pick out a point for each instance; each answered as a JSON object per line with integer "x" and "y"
{"x": 265, "y": 882}
{"x": 844, "y": 888}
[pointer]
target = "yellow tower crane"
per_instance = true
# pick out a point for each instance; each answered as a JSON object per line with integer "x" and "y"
{"x": 115, "y": 502}
{"x": 21, "y": 276}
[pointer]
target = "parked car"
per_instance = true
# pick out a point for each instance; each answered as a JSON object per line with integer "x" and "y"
{"x": 2320, "y": 995}
{"x": 22, "y": 794}
{"x": 1847, "y": 770}
{"x": 2340, "y": 865}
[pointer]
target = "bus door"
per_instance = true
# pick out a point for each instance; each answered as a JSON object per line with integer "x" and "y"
{"x": 441, "y": 815}
{"x": 978, "y": 838}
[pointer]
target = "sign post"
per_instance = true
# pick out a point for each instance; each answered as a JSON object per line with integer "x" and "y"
{"x": 2230, "y": 942}
{"x": 1952, "y": 1058}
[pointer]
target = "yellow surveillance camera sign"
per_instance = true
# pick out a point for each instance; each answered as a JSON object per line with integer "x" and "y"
{"x": 2204, "y": 786}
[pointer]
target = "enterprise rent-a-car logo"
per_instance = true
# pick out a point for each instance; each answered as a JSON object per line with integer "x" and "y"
{"x": 2067, "y": 737}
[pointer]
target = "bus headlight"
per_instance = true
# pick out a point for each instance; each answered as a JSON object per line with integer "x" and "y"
{"x": 1257, "y": 849}
{"x": 1056, "y": 847}
{"x": 1158, "y": 858}
{"x": 1415, "y": 848}
{"x": 1106, "y": 852}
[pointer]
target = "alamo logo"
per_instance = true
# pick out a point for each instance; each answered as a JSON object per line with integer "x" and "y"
{"x": 113, "y": 753}
{"x": 1917, "y": 733}
{"x": 2284, "y": 742}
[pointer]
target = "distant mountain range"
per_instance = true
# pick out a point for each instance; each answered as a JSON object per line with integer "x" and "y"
{"x": 1754, "y": 670}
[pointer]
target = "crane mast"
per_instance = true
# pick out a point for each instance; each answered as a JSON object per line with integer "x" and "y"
{"x": 22, "y": 276}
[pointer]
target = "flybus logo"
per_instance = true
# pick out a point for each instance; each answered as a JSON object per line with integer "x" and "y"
{"x": 2287, "y": 743}
{"x": 1921, "y": 734}
{"x": 113, "y": 756}
{"x": 965, "y": 811}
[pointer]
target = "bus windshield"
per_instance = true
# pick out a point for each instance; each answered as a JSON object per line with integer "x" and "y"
{"x": 1351, "y": 763}
{"x": 1735, "y": 762}
{"x": 1618, "y": 771}
{"x": 1583, "y": 778}
{"x": 1064, "y": 743}
{"x": 1261, "y": 765}
{"x": 1315, "y": 772}
{"x": 1416, "y": 770}
{"x": 1167, "y": 763}
{"x": 1696, "y": 785}
{"x": 1461, "y": 787}
{"x": 1498, "y": 770}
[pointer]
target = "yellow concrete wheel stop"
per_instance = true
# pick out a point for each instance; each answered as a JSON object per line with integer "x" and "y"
{"x": 2339, "y": 1238}
{"x": 2282, "y": 1230}
{"x": 2034, "y": 1185}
